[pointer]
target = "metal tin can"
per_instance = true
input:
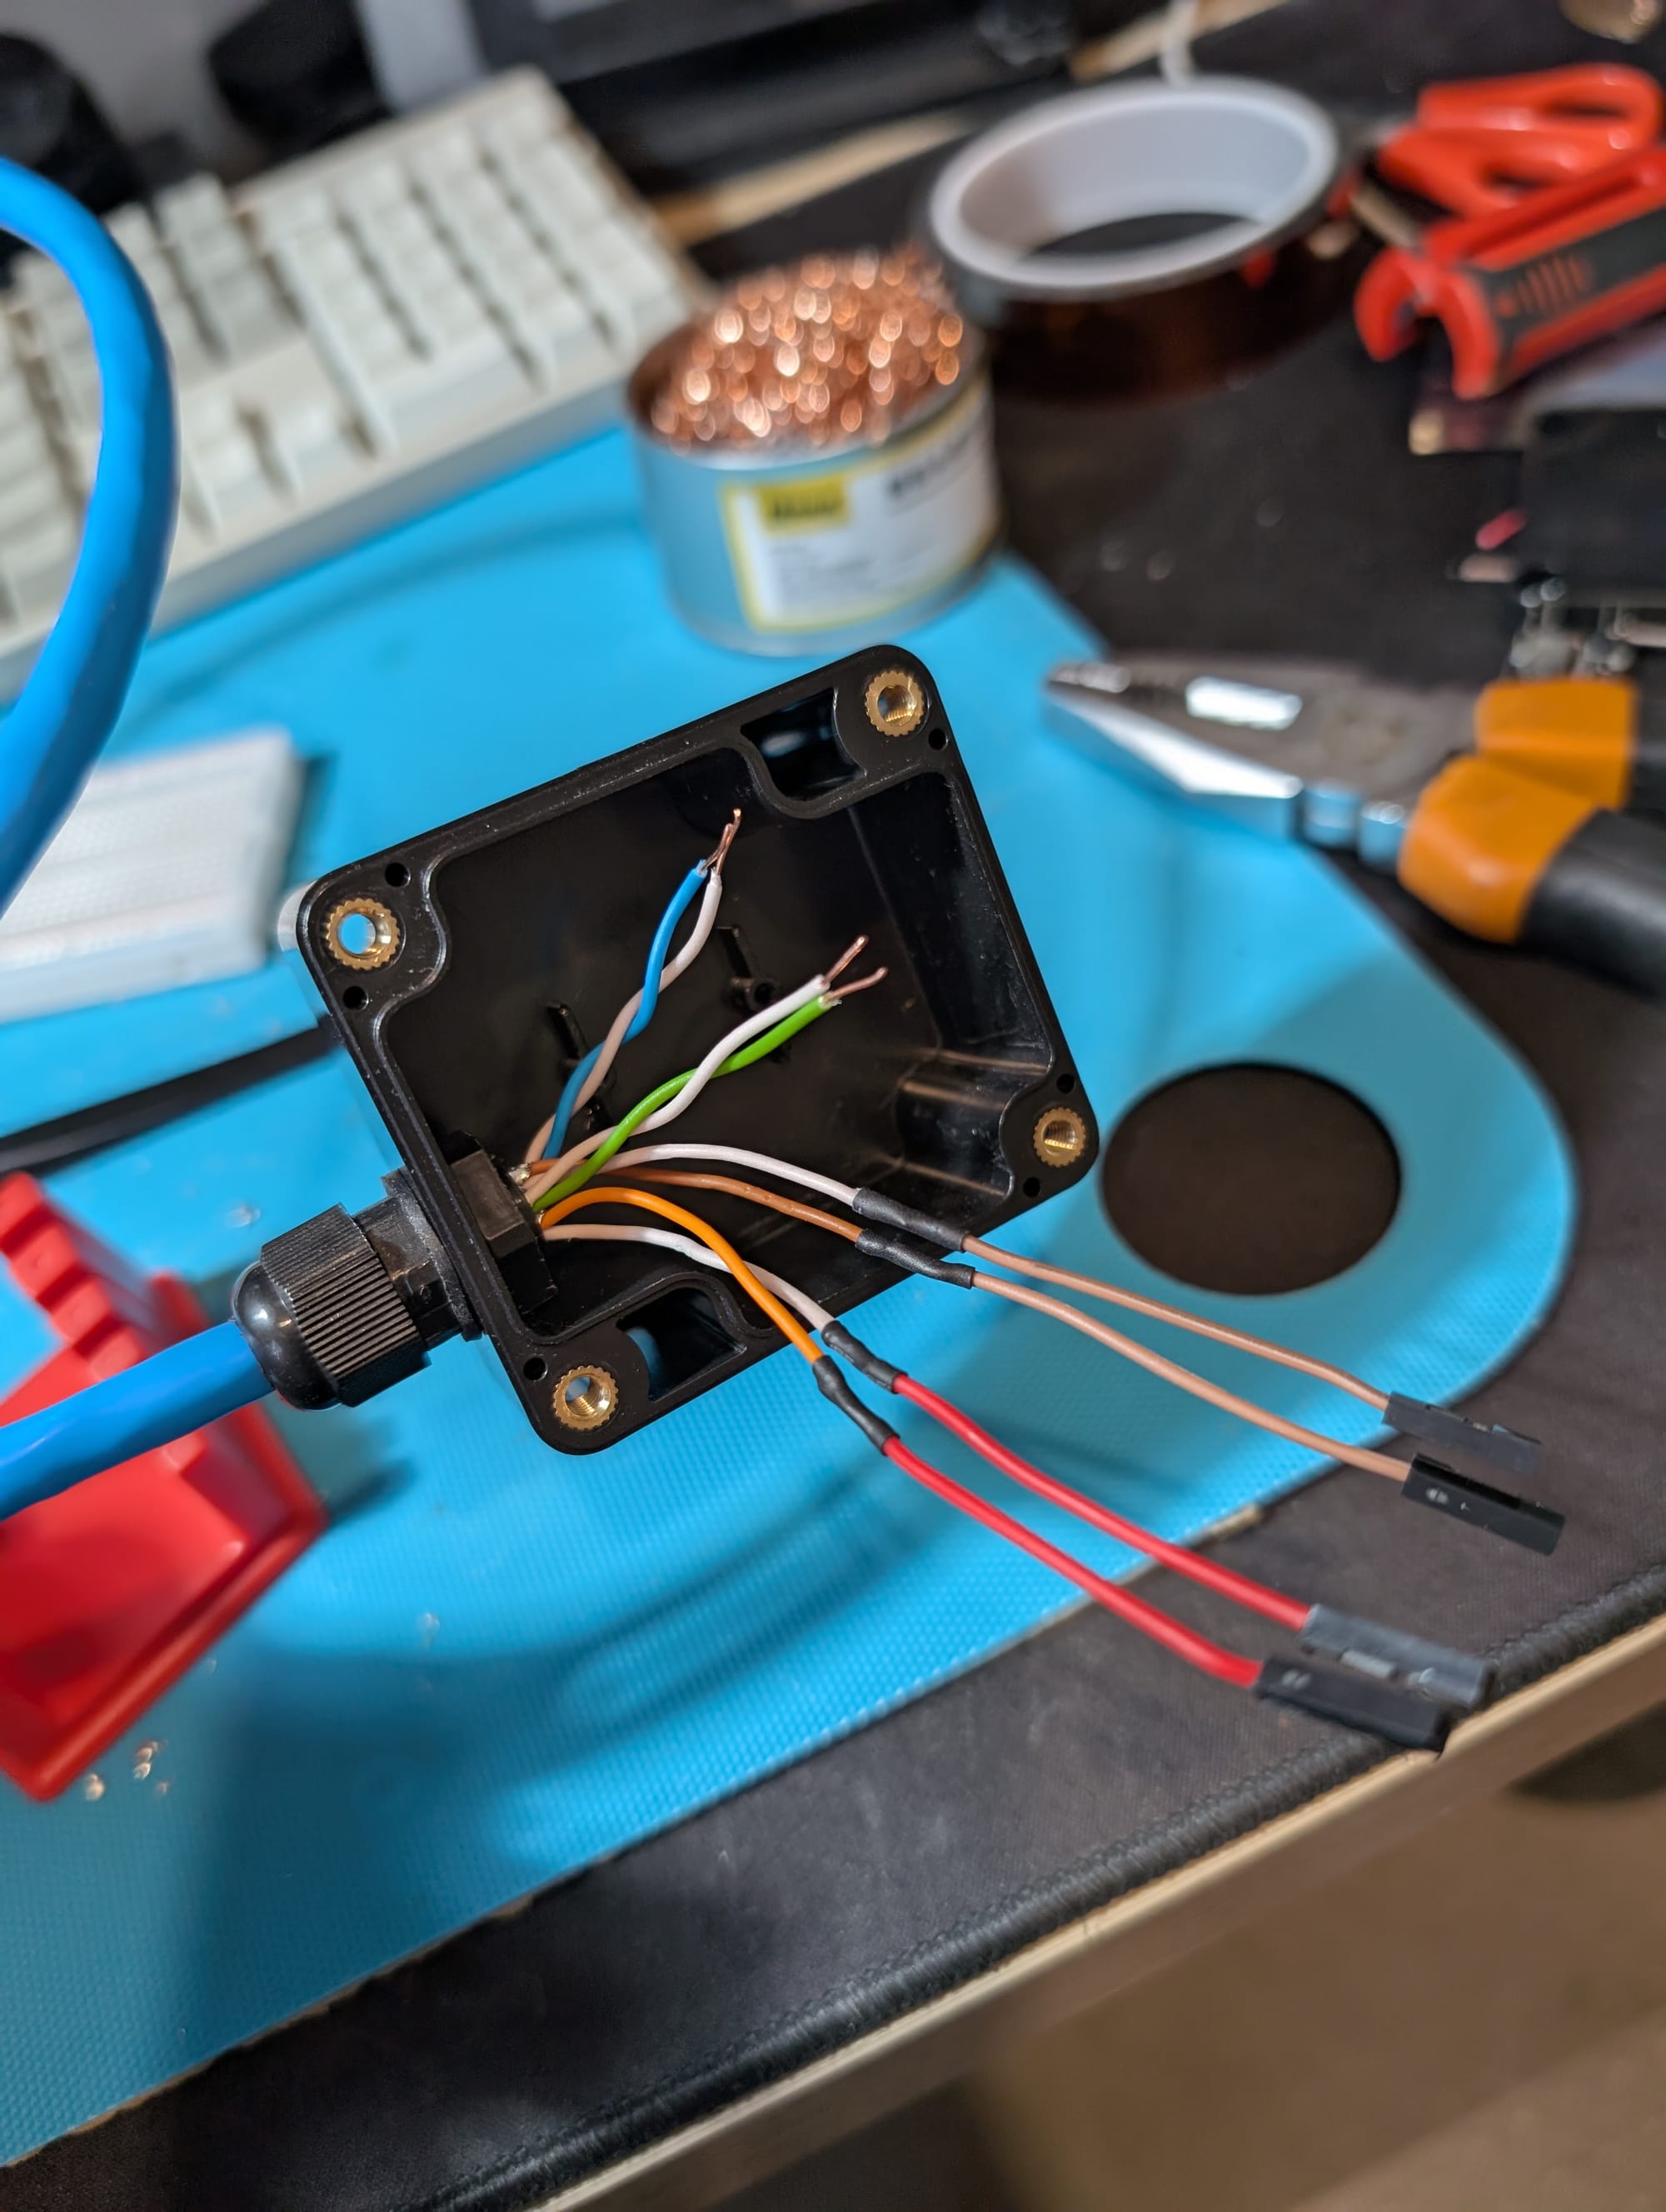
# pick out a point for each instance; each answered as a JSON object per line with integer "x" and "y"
{"x": 781, "y": 551}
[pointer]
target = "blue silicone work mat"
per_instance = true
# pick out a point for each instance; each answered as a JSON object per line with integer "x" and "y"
{"x": 502, "y": 1664}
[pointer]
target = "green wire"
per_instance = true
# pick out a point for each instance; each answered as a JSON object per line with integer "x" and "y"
{"x": 759, "y": 1048}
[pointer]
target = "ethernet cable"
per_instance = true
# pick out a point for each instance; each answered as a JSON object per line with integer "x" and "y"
{"x": 75, "y": 690}
{"x": 53, "y": 733}
{"x": 176, "y": 1390}
{"x": 638, "y": 1010}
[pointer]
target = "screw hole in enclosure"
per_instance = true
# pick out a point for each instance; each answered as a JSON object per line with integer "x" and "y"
{"x": 354, "y": 996}
{"x": 1032, "y": 1186}
{"x": 363, "y": 932}
{"x": 1067, "y": 1083}
{"x": 938, "y": 739}
{"x": 535, "y": 1368}
{"x": 1060, "y": 1136}
{"x": 585, "y": 1398}
{"x": 895, "y": 703}
{"x": 396, "y": 873}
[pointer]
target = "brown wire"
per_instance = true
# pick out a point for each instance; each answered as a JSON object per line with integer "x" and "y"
{"x": 1091, "y": 1285}
{"x": 691, "y": 1181}
{"x": 1373, "y": 1463}
{"x": 1113, "y": 1340}
{"x": 1155, "y": 1309}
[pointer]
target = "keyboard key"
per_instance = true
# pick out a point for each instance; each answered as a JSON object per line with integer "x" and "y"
{"x": 35, "y": 560}
{"x": 342, "y": 331}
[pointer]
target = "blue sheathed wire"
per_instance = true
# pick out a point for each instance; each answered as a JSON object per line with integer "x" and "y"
{"x": 660, "y": 952}
{"x": 686, "y": 892}
{"x": 163, "y": 1398}
{"x": 75, "y": 692}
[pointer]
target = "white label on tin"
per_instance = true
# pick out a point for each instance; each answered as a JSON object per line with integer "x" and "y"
{"x": 853, "y": 542}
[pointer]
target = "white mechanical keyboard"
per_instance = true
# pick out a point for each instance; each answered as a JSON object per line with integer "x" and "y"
{"x": 355, "y": 337}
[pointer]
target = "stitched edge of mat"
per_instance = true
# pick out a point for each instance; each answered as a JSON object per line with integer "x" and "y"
{"x": 955, "y": 1955}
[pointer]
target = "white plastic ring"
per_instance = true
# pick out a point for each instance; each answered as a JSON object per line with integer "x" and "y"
{"x": 1262, "y": 158}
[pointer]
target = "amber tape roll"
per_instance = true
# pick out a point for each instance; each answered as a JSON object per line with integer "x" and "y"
{"x": 1261, "y": 160}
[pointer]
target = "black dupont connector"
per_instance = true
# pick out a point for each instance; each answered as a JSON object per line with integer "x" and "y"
{"x": 838, "y": 1392}
{"x": 901, "y": 1251}
{"x": 837, "y": 1338}
{"x": 874, "y": 1206}
{"x": 1377, "y": 1709}
{"x": 1498, "y": 1511}
{"x": 1448, "y": 1431}
{"x": 1455, "y": 1677}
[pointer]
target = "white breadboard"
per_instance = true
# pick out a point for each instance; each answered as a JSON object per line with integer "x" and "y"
{"x": 354, "y": 336}
{"x": 167, "y": 871}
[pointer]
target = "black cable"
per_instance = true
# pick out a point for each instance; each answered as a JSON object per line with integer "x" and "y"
{"x": 70, "y": 1136}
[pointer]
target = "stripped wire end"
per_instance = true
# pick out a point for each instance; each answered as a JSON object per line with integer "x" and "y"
{"x": 849, "y": 990}
{"x": 713, "y": 863}
{"x": 844, "y": 959}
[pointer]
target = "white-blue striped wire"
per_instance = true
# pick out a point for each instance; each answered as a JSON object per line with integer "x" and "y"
{"x": 711, "y": 899}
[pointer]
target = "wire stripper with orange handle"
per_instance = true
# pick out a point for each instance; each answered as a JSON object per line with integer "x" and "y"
{"x": 1521, "y": 817}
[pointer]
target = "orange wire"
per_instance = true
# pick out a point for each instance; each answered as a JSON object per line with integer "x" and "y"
{"x": 1360, "y": 1456}
{"x": 617, "y": 1194}
{"x": 1092, "y": 1287}
{"x": 773, "y": 1200}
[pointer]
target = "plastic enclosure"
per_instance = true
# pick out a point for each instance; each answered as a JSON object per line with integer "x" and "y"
{"x": 521, "y": 929}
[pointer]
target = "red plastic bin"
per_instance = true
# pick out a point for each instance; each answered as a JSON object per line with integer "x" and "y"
{"x": 110, "y": 1592}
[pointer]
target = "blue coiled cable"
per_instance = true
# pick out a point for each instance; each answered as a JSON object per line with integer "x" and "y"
{"x": 75, "y": 690}
{"x": 49, "y": 741}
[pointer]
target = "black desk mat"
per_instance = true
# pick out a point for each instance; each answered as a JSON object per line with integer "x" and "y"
{"x": 766, "y": 1933}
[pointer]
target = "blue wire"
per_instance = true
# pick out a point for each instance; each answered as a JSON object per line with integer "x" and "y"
{"x": 75, "y": 692}
{"x": 684, "y": 898}
{"x": 161, "y": 1398}
{"x": 660, "y": 952}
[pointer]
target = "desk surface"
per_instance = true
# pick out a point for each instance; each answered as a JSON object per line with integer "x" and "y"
{"x": 920, "y": 1858}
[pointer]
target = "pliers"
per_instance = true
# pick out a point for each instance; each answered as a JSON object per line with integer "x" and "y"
{"x": 1502, "y": 813}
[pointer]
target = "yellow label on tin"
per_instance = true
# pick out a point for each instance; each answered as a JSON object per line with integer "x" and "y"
{"x": 874, "y": 533}
{"x": 812, "y": 503}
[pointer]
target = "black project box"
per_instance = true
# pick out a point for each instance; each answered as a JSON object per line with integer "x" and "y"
{"x": 505, "y": 943}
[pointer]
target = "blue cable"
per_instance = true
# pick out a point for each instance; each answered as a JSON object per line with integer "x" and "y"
{"x": 684, "y": 898}
{"x": 163, "y": 1398}
{"x": 52, "y": 738}
{"x": 75, "y": 692}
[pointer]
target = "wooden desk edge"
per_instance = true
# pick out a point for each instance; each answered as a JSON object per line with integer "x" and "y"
{"x": 1133, "y": 1936}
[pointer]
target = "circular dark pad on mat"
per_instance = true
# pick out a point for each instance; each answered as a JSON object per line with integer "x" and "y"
{"x": 1250, "y": 1179}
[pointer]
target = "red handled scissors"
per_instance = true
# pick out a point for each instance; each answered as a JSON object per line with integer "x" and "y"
{"x": 1476, "y": 147}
